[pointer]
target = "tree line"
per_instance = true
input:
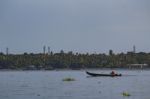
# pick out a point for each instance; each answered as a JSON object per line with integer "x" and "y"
{"x": 71, "y": 60}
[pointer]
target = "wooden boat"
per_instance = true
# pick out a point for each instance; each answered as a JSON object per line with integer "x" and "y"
{"x": 109, "y": 75}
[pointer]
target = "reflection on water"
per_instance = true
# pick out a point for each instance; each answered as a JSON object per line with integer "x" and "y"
{"x": 49, "y": 85}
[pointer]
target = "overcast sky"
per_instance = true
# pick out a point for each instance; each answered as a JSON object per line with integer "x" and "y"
{"x": 75, "y": 25}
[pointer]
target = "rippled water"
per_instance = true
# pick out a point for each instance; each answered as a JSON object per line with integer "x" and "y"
{"x": 49, "y": 85}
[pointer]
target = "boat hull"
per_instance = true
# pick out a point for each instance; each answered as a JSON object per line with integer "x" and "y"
{"x": 109, "y": 75}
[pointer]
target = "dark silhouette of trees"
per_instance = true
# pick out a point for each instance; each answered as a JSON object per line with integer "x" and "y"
{"x": 71, "y": 60}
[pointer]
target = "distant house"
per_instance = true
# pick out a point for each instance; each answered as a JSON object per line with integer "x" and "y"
{"x": 137, "y": 66}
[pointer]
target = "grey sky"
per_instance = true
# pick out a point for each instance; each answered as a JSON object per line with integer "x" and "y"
{"x": 77, "y": 25}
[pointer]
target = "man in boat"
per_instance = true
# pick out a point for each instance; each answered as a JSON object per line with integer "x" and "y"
{"x": 112, "y": 73}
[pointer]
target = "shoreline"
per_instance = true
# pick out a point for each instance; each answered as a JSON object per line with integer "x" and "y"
{"x": 80, "y": 69}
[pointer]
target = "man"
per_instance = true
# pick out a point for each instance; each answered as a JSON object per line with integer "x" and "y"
{"x": 112, "y": 73}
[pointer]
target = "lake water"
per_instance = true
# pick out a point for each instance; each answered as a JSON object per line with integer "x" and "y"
{"x": 49, "y": 85}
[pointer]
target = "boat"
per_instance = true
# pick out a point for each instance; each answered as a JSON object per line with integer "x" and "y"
{"x": 109, "y": 75}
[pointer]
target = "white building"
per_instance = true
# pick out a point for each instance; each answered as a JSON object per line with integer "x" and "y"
{"x": 137, "y": 66}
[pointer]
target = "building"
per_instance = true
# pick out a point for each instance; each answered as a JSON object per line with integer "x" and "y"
{"x": 141, "y": 66}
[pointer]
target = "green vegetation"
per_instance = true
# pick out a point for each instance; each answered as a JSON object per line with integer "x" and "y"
{"x": 126, "y": 94}
{"x": 69, "y": 79}
{"x": 71, "y": 60}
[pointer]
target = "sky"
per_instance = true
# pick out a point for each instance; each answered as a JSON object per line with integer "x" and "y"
{"x": 93, "y": 26}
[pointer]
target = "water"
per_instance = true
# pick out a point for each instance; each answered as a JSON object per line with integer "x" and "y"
{"x": 49, "y": 85}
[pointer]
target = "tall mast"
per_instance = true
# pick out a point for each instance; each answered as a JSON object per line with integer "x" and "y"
{"x": 7, "y": 51}
{"x": 44, "y": 49}
{"x": 134, "y": 49}
{"x": 48, "y": 50}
